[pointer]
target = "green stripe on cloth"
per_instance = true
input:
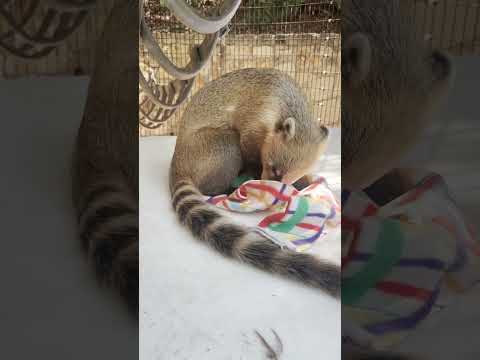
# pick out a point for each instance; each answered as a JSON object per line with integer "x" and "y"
{"x": 239, "y": 180}
{"x": 300, "y": 213}
{"x": 388, "y": 250}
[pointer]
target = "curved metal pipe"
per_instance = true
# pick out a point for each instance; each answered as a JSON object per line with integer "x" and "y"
{"x": 182, "y": 89}
{"x": 62, "y": 30}
{"x": 198, "y": 60}
{"x": 204, "y": 25}
{"x": 61, "y": 19}
{"x": 159, "y": 103}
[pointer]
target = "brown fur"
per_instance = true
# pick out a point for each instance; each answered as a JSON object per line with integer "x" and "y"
{"x": 240, "y": 123}
{"x": 105, "y": 172}
{"x": 390, "y": 84}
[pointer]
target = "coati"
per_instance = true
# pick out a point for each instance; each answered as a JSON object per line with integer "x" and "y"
{"x": 105, "y": 169}
{"x": 391, "y": 81}
{"x": 254, "y": 122}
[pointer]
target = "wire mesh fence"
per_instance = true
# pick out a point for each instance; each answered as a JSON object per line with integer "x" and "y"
{"x": 451, "y": 25}
{"x": 26, "y": 24}
{"x": 301, "y": 38}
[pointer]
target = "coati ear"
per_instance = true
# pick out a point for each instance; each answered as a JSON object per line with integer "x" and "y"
{"x": 324, "y": 132}
{"x": 321, "y": 134}
{"x": 356, "y": 58}
{"x": 442, "y": 68}
{"x": 285, "y": 128}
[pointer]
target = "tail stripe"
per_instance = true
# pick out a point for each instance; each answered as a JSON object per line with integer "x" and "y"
{"x": 260, "y": 254}
{"x": 201, "y": 219}
{"x": 108, "y": 244}
{"x": 181, "y": 195}
{"x": 182, "y": 183}
{"x": 117, "y": 225}
{"x": 97, "y": 215}
{"x": 106, "y": 199}
{"x": 125, "y": 274}
{"x": 186, "y": 206}
{"x": 225, "y": 237}
{"x": 101, "y": 190}
{"x": 95, "y": 193}
{"x": 310, "y": 270}
{"x": 108, "y": 224}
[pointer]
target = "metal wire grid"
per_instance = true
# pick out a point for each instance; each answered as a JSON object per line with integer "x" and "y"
{"x": 451, "y": 25}
{"x": 301, "y": 38}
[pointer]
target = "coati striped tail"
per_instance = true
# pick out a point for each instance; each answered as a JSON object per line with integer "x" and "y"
{"x": 108, "y": 223}
{"x": 236, "y": 241}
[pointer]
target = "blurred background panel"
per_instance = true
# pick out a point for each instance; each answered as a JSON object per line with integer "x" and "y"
{"x": 451, "y": 25}
{"x": 40, "y": 38}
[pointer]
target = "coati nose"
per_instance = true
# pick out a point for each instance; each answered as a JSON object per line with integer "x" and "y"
{"x": 276, "y": 177}
{"x": 271, "y": 175}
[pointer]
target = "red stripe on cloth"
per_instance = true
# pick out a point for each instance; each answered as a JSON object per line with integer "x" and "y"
{"x": 309, "y": 226}
{"x": 225, "y": 203}
{"x": 370, "y": 210}
{"x": 271, "y": 219}
{"x": 404, "y": 290}
{"x": 330, "y": 199}
{"x": 417, "y": 192}
{"x": 447, "y": 225}
{"x": 218, "y": 199}
{"x": 240, "y": 194}
{"x": 349, "y": 223}
{"x": 473, "y": 238}
{"x": 269, "y": 189}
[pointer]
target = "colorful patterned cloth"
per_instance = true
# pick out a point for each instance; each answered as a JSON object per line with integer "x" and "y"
{"x": 298, "y": 218}
{"x": 403, "y": 261}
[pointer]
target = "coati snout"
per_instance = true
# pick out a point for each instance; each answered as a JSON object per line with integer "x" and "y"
{"x": 291, "y": 151}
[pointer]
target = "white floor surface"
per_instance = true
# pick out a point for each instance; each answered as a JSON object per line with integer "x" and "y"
{"x": 197, "y": 305}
